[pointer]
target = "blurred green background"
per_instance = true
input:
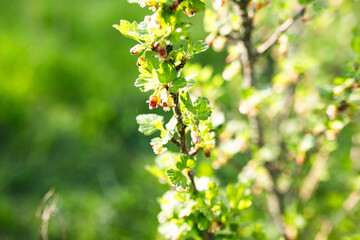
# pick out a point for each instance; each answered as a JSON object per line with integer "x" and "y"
{"x": 68, "y": 108}
{"x": 67, "y": 120}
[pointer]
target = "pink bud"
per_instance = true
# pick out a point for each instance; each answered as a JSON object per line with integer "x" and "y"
{"x": 136, "y": 49}
{"x": 174, "y": 6}
{"x": 140, "y": 61}
{"x": 161, "y": 51}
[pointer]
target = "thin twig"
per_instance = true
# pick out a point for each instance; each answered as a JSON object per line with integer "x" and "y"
{"x": 280, "y": 30}
{"x": 177, "y": 143}
{"x": 312, "y": 180}
{"x": 248, "y": 58}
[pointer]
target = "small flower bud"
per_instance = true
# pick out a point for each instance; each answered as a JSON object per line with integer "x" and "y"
{"x": 156, "y": 45}
{"x": 153, "y": 102}
{"x": 140, "y": 61}
{"x": 136, "y": 49}
{"x": 158, "y": 150}
{"x": 332, "y": 111}
{"x": 283, "y": 48}
{"x": 174, "y": 6}
{"x": 161, "y": 51}
{"x": 189, "y": 13}
{"x": 195, "y": 137}
{"x": 207, "y": 152}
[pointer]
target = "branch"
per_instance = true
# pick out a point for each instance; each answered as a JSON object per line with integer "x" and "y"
{"x": 274, "y": 199}
{"x": 247, "y": 57}
{"x": 177, "y": 143}
{"x": 180, "y": 125}
{"x": 280, "y": 30}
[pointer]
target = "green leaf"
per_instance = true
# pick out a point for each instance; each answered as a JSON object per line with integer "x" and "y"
{"x": 185, "y": 162}
{"x": 178, "y": 83}
{"x": 149, "y": 123}
{"x": 146, "y": 84}
{"x": 200, "y": 46}
{"x": 146, "y": 69}
{"x": 147, "y": 79}
{"x": 157, "y": 142}
{"x": 325, "y": 91}
{"x": 167, "y": 72}
{"x": 318, "y": 6}
{"x": 177, "y": 178}
{"x": 238, "y": 196}
{"x": 177, "y": 56}
{"x": 186, "y": 100}
{"x": 202, "y": 222}
{"x": 128, "y": 29}
{"x": 193, "y": 6}
{"x": 202, "y": 109}
{"x": 212, "y": 192}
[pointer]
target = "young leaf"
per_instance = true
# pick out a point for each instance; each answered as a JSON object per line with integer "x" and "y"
{"x": 146, "y": 69}
{"x": 177, "y": 84}
{"x": 200, "y": 46}
{"x": 149, "y": 123}
{"x": 146, "y": 84}
{"x": 186, "y": 100}
{"x": 147, "y": 79}
{"x": 185, "y": 162}
{"x": 202, "y": 109}
{"x": 166, "y": 73}
{"x": 177, "y": 178}
{"x": 128, "y": 29}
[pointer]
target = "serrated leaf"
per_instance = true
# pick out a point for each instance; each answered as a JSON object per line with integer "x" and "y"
{"x": 178, "y": 83}
{"x": 157, "y": 142}
{"x": 149, "y": 123}
{"x": 200, "y": 46}
{"x": 186, "y": 100}
{"x": 147, "y": 78}
{"x": 128, "y": 29}
{"x": 177, "y": 178}
{"x": 202, "y": 109}
{"x": 146, "y": 69}
{"x": 185, "y": 162}
{"x": 166, "y": 73}
{"x": 146, "y": 84}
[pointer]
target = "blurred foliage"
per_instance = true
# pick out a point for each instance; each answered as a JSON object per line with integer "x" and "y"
{"x": 68, "y": 109}
{"x": 67, "y": 120}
